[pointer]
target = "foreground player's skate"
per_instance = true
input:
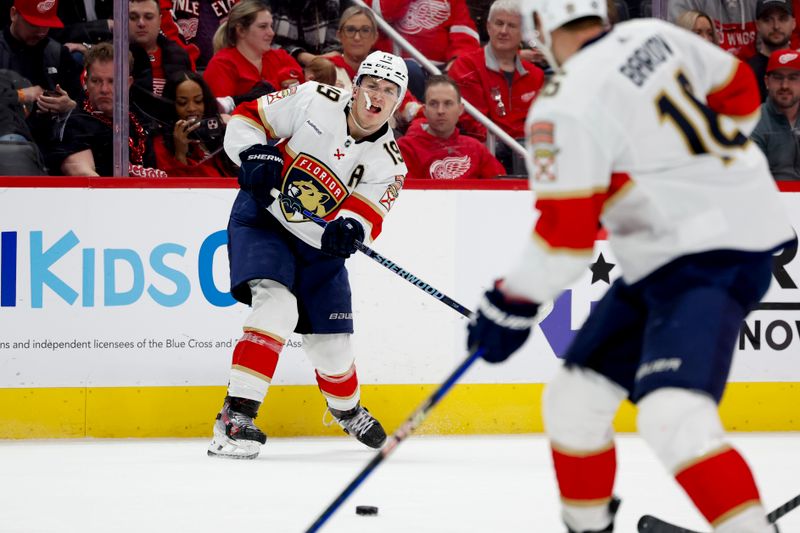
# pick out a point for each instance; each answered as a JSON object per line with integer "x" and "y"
{"x": 360, "y": 424}
{"x": 235, "y": 434}
{"x": 613, "y": 507}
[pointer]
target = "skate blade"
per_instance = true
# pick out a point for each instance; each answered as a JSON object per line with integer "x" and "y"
{"x": 225, "y": 447}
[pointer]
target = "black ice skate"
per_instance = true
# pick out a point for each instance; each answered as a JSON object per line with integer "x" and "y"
{"x": 613, "y": 507}
{"x": 360, "y": 424}
{"x": 235, "y": 434}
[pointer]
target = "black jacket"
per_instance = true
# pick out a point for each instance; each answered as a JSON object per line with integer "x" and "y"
{"x": 46, "y": 64}
{"x": 84, "y": 132}
{"x": 143, "y": 101}
{"x": 79, "y": 30}
{"x": 12, "y": 115}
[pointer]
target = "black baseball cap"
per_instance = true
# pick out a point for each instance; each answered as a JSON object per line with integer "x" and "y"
{"x": 763, "y": 5}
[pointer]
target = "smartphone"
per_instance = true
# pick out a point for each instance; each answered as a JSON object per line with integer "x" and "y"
{"x": 210, "y": 129}
{"x": 51, "y": 93}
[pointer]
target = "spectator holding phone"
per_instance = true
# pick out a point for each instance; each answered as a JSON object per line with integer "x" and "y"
{"x": 192, "y": 146}
{"x": 26, "y": 49}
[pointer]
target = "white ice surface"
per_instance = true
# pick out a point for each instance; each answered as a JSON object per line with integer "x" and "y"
{"x": 429, "y": 484}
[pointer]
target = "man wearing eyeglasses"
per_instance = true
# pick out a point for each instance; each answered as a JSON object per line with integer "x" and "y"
{"x": 778, "y": 129}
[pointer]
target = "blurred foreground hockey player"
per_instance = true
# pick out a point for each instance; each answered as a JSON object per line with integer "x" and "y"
{"x": 643, "y": 127}
{"x": 338, "y": 157}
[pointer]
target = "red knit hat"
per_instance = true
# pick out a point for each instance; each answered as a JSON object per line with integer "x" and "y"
{"x": 39, "y": 12}
{"x": 784, "y": 59}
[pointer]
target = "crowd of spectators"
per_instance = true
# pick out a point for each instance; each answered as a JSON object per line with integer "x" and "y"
{"x": 193, "y": 61}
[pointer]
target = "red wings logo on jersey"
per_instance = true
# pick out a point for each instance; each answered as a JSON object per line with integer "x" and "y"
{"x": 542, "y": 141}
{"x": 280, "y": 95}
{"x": 315, "y": 185}
{"x": 188, "y": 27}
{"x": 450, "y": 168}
{"x": 425, "y": 15}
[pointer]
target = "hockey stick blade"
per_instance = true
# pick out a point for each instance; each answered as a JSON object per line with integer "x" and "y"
{"x": 651, "y": 524}
{"x": 293, "y": 204}
{"x": 408, "y": 427}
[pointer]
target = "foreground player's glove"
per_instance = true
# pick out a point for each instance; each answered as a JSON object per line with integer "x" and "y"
{"x": 261, "y": 171}
{"x": 340, "y": 236}
{"x": 501, "y": 325}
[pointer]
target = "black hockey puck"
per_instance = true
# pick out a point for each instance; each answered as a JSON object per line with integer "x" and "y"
{"x": 366, "y": 510}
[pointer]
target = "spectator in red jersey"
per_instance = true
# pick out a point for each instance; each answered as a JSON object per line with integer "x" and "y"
{"x": 441, "y": 30}
{"x": 245, "y": 64}
{"x": 191, "y": 144}
{"x": 435, "y": 149}
{"x": 698, "y": 23}
{"x": 775, "y": 23}
{"x": 496, "y": 81}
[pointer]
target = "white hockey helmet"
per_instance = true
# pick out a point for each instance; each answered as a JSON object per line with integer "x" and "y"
{"x": 553, "y": 14}
{"x": 385, "y": 66}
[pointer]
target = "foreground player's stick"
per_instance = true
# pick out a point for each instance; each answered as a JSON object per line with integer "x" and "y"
{"x": 408, "y": 427}
{"x": 651, "y": 524}
{"x": 294, "y": 204}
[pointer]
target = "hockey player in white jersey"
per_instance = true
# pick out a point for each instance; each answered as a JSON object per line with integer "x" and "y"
{"x": 338, "y": 157}
{"x": 643, "y": 128}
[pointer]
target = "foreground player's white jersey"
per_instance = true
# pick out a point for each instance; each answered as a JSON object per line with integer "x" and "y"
{"x": 645, "y": 130}
{"x": 334, "y": 174}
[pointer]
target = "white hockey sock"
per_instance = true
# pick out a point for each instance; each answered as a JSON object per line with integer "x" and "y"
{"x": 245, "y": 385}
{"x": 751, "y": 520}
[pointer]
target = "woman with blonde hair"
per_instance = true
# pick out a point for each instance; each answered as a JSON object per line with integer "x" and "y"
{"x": 358, "y": 32}
{"x": 244, "y": 65}
{"x": 698, "y": 23}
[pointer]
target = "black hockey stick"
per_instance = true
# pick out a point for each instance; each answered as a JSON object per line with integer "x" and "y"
{"x": 408, "y": 427}
{"x": 294, "y": 204}
{"x": 651, "y": 524}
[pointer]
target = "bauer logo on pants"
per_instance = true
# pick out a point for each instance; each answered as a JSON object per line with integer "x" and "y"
{"x": 315, "y": 185}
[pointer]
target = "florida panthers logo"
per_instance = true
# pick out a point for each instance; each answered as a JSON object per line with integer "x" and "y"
{"x": 315, "y": 185}
{"x": 425, "y": 15}
{"x": 450, "y": 168}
